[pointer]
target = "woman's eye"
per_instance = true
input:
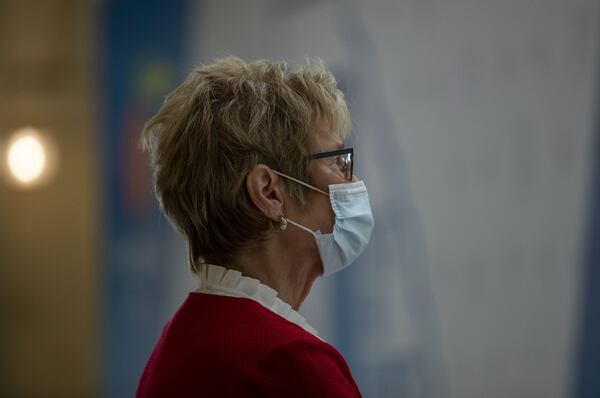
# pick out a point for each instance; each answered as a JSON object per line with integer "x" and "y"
{"x": 333, "y": 161}
{"x": 338, "y": 163}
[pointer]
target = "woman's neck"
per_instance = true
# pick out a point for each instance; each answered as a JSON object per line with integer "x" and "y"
{"x": 292, "y": 276}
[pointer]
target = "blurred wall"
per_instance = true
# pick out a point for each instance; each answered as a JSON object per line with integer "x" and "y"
{"x": 48, "y": 236}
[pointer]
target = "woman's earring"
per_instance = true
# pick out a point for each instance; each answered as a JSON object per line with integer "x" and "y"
{"x": 283, "y": 224}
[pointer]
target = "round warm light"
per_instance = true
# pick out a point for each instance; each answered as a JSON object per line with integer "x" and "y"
{"x": 29, "y": 158}
{"x": 26, "y": 159}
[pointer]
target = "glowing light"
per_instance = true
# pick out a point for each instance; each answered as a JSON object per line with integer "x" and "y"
{"x": 29, "y": 158}
{"x": 26, "y": 159}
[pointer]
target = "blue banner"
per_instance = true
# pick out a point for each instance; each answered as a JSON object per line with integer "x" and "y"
{"x": 142, "y": 52}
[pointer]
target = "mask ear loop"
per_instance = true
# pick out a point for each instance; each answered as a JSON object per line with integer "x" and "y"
{"x": 300, "y": 182}
{"x": 287, "y": 220}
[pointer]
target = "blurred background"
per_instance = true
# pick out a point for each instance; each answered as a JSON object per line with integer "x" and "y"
{"x": 475, "y": 126}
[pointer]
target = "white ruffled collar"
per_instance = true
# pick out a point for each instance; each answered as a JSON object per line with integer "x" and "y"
{"x": 218, "y": 280}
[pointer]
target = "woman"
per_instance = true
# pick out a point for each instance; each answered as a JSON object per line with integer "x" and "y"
{"x": 249, "y": 166}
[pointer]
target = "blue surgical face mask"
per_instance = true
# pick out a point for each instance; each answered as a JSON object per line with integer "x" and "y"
{"x": 352, "y": 228}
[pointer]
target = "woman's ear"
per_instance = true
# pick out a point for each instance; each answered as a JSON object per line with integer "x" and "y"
{"x": 264, "y": 190}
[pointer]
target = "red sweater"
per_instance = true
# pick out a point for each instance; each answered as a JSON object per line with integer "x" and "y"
{"x": 220, "y": 346}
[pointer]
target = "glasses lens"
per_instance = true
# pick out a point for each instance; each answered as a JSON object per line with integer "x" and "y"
{"x": 347, "y": 158}
{"x": 343, "y": 159}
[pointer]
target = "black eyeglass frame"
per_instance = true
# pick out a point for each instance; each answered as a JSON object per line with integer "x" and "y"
{"x": 337, "y": 152}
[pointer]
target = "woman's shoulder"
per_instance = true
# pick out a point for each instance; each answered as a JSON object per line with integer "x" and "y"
{"x": 225, "y": 332}
{"x": 211, "y": 336}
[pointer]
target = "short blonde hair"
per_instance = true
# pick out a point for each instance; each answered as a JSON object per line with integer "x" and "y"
{"x": 212, "y": 130}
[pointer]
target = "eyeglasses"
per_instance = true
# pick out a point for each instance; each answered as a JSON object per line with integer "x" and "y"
{"x": 344, "y": 160}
